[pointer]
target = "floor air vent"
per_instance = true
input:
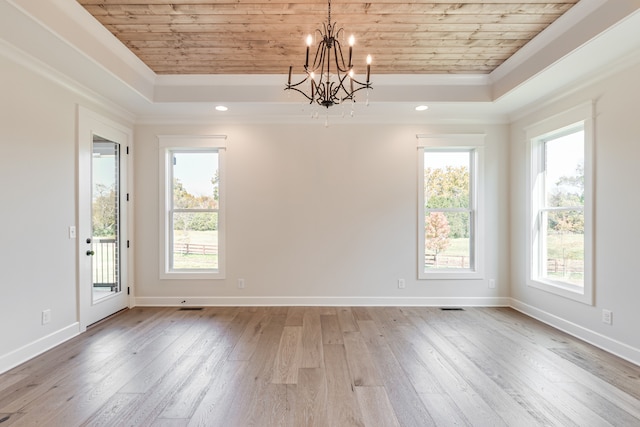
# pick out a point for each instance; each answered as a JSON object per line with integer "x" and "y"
{"x": 190, "y": 309}
{"x": 451, "y": 309}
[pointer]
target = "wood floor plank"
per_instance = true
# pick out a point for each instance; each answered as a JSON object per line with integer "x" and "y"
{"x": 445, "y": 411}
{"x": 254, "y": 386}
{"x": 494, "y": 405}
{"x": 376, "y": 408}
{"x": 408, "y": 407}
{"x": 212, "y": 409}
{"x": 10, "y": 419}
{"x": 321, "y": 366}
{"x": 7, "y": 380}
{"x": 312, "y": 356}
{"x": 185, "y": 399}
{"x": 346, "y": 319}
{"x": 294, "y": 316}
{"x": 331, "y": 333}
{"x": 157, "y": 398}
{"x": 460, "y": 397}
{"x": 513, "y": 381}
{"x": 342, "y": 404}
{"x": 584, "y": 407}
{"x": 556, "y": 368}
{"x": 311, "y": 398}
{"x": 248, "y": 341}
{"x": 114, "y": 408}
{"x": 361, "y": 366}
{"x": 288, "y": 357}
{"x": 170, "y": 422}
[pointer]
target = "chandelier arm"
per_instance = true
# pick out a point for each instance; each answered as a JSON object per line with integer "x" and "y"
{"x": 298, "y": 90}
{"x": 338, "y": 50}
{"x": 320, "y": 58}
{"x": 359, "y": 89}
{"x": 291, "y": 86}
{"x": 341, "y": 84}
{"x": 361, "y": 84}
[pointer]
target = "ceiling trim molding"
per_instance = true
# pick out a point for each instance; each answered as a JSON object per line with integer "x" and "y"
{"x": 83, "y": 35}
{"x": 573, "y": 30}
{"x": 38, "y": 67}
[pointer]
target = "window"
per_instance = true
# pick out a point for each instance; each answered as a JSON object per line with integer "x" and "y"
{"x": 192, "y": 200}
{"x": 560, "y": 201}
{"x": 449, "y": 227}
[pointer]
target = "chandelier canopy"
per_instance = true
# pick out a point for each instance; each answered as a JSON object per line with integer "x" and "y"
{"x": 335, "y": 85}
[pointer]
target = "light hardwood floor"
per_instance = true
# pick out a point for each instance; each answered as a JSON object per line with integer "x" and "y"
{"x": 317, "y": 366}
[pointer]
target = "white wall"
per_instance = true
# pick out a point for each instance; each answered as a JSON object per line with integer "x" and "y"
{"x": 320, "y": 216}
{"x": 617, "y": 228}
{"x": 38, "y": 179}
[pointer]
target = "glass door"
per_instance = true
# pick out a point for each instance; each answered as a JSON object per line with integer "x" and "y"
{"x": 103, "y": 254}
{"x": 105, "y": 219}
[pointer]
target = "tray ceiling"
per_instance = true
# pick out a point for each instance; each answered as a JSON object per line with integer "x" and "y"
{"x": 265, "y": 37}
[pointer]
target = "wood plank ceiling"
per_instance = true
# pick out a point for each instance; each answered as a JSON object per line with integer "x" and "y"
{"x": 266, "y": 36}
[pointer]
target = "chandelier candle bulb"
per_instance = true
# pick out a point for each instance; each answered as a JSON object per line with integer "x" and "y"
{"x": 309, "y": 40}
{"x": 290, "y": 69}
{"x": 352, "y": 40}
{"x": 368, "y": 67}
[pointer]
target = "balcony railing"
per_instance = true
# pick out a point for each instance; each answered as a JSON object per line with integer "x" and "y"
{"x": 105, "y": 264}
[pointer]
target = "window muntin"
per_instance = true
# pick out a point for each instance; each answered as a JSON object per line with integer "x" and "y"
{"x": 450, "y": 206}
{"x": 192, "y": 226}
{"x": 560, "y": 240}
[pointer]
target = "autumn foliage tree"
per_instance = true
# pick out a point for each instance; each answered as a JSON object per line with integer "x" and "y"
{"x": 437, "y": 232}
{"x": 201, "y": 221}
{"x": 104, "y": 211}
{"x": 449, "y": 188}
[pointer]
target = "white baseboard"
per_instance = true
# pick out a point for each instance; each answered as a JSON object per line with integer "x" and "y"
{"x": 608, "y": 344}
{"x": 322, "y": 301}
{"x": 33, "y": 349}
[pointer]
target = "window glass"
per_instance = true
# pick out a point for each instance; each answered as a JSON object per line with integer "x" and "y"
{"x": 562, "y": 209}
{"x": 449, "y": 210}
{"x": 194, "y": 216}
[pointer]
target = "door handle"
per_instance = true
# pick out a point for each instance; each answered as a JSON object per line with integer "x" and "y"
{"x": 89, "y": 253}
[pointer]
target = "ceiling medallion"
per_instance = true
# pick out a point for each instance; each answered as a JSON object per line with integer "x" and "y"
{"x": 334, "y": 85}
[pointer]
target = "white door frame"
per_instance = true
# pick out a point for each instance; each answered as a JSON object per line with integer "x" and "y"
{"x": 90, "y": 123}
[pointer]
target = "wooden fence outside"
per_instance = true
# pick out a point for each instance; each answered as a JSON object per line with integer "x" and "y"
{"x": 195, "y": 249}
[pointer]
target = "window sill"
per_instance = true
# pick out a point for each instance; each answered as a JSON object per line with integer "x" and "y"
{"x": 575, "y": 293}
{"x": 450, "y": 275}
{"x": 192, "y": 275}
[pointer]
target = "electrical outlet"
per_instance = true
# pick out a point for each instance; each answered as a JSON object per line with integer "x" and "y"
{"x": 46, "y": 316}
{"x": 401, "y": 284}
{"x": 240, "y": 283}
{"x": 492, "y": 283}
{"x": 607, "y": 317}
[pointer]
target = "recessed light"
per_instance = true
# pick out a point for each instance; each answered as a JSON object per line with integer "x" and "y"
{"x": 422, "y": 107}
{"x": 221, "y": 108}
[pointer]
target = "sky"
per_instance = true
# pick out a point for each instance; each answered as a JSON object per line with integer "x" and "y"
{"x": 195, "y": 171}
{"x": 564, "y": 154}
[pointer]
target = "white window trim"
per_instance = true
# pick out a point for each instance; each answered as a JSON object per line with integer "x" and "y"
{"x": 534, "y": 135}
{"x": 167, "y": 143}
{"x": 446, "y": 142}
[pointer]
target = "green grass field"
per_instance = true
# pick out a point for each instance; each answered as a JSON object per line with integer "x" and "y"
{"x": 195, "y": 261}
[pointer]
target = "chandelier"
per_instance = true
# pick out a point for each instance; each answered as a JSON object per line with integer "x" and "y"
{"x": 333, "y": 86}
